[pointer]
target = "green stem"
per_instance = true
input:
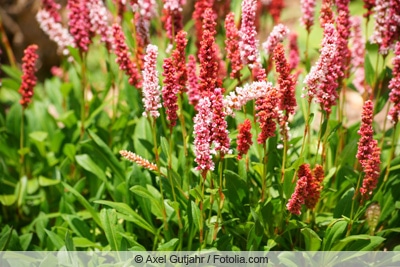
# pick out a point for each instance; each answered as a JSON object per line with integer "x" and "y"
{"x": 157, "y": 159}
{"x": 21, "y": 145}
{"x": 285, "y": 147}
{"x": 83, "y": 88}
{"x": 264, "y": 175}
{"x": 7, "y": 46}
{"x": 392, "y": 152}
{"x": 201, "y": 230}
{"x": 183, "y": 126}
{"x": 221, "y": 196}
{"x": 352, "y": 217}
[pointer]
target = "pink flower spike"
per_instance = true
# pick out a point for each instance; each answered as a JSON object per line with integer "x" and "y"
{"x": 53, "y": 9}
{"x": 170, "y": 91}
{"x": 173, "y": 17}
{"x": 123, "y": 57}
{"x": 294, "y": 54}
{"x": 179, "y": 60}
{"x": 56, "y": 32}
{"x": 248, "y": 44}
{"x": 244, "y": 138}
{"x": 368, "y": 5}
{"x": 193, "y": 81}
{"x": 314, "y": 187}
{"x": 267, "y": 114}
{"x": 277, "y": 35}
{"x": 368, "y": 151}
{"x": 394, "y": 86}
{"x": 132, "y": 157}
{"x": 300, "y": 192}
{"x": 28, "y": 75}
{"x": 202, "y": 139}
{"x": 219, "y": 126}
{"x": 308, "y": 10}
{"x": 79, "y": 23}
{"x": 151, "y": 88}
{"x": 232, "y": 45}
{"x": 99, "y": 24}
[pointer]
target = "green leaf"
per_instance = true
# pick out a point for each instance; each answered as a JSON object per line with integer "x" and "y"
{"x": 5, "y": 237}
{"x": 81, "y": 242}
{"x": 144, "y": 193}
{"x": 69, "y": 150}
{"x": 14, "y": 73}
{"x": 125, "y": 209}
{"x": 78, "y": 226}
{"x": 86, "y": 162}
{"x": 169, "y": 246}
{"x": 43, "y": 181}
{"x": 109, "y": 221}
{"x": 369, "y": 70}
{"x": 105, "y": 153}
{"x": 358, "y": 243}
{"x": 312, "y": 240}
{"x": 57, "y": 241}
{"x": 195, "y": 217}
{"x": 38, "y": 136}
{"x": 25, "y": 240}
{"x": 343, "y": 207}
{"x": 236, "y": 188}
{"x": 334, "y": 234}
{"x": 84, "y": 203}
{"x": 69, "y": 243}
{"x": 8, "y": 200}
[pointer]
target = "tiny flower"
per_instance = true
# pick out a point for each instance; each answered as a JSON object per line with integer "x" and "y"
{"x": 277, "y": 35}
{"x": 394, "y": 86}
{"x": 307, "y": 9}
{"x": 368, "y": 5}
{"x": 244, "y": 138}
{"x": 232, "y": 45}
{"x": 202, "y": 139}
{"x": 28, "y": 75}
{"x": 138, "y": 160}
{"x": 123, "y": 56}
{"x": 151, "y": 87}
{"x": 267, "y": 114}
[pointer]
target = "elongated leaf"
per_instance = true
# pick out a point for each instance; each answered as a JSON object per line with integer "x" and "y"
{"x": 86, "y": 162}
{"x": 69, "y": 243}
{"x": 5, "y": 238}
{"x": 334, "y": 234}
{"x": 312, "y": 240}
{"x": 81, "y": 242}
{"x": 108, "y": 219}
{"x": 106, "y": 154}
{"x": 195, "y": 215}
{"x": 78, "y": 226}
{"x": 144, "y": 192}
{"x": 57, "y": 241}
{"x": 360, "y": 243}
{"x": 84, "y": 203}
{"x": 125, "y": 209}
{"x": 369, "y": 70}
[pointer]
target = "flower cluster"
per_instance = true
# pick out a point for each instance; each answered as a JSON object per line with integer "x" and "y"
{"x": 248, "y": 44}
{"x": 138, "y": 160}
{"x": 275, "y": 9}
{"x": 232, "y": 45}
{"x": 267, "y": 114}
{"x": 394, "y": 86}
{"x": 199, "y": 9}
{"x": 357, "y": 58}
{"x": 307, "y": 9}
{"x": 368, "y": 5}
{"x": 179, "y": 60}
{"x": 307, "y": 189}
{"x": 244, "y": 138}
{"x": 219, "y": 127}
{"x": 209, "y": 64}
{"x": 322, "y": 78}
{"x": 123, "y": 56}
{"x": 326, "y": 16}
{"x": 53, "y": 9}
{"x": 343, "y": 26}
{"x": 79, "y": 23}
{"x": 368, "y": 153}
{"x": 173, "y": 16}
{"x": 193, "y": 82}
{"x": 170, "y": 91}
{"x": 294, "y": 54}
{"x": 151, "y": 88}
{"x": 286, "y": 82}
{"x": 202, "y": 139}
{"x": 277, "y": 35}
{"x": 99, "y": 24}
{"x": 239, "y": 98}
{"x": 28, "y": 75}
{"x": 55, "y": 31}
